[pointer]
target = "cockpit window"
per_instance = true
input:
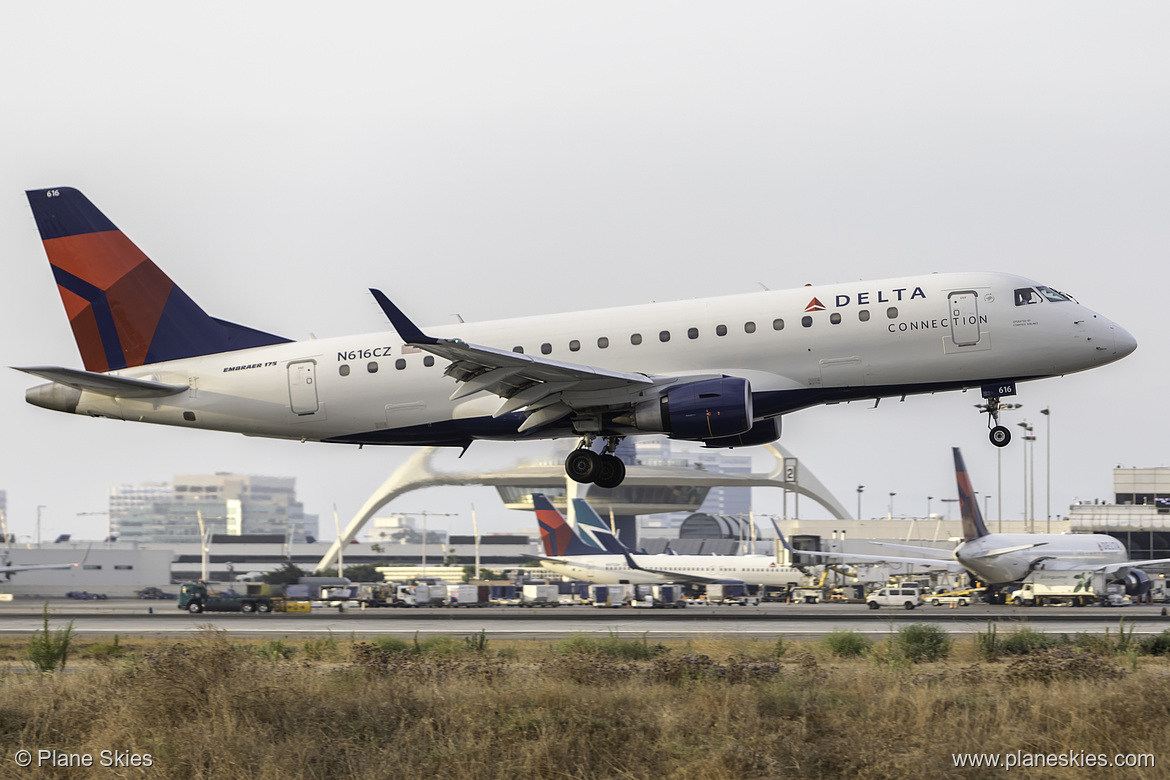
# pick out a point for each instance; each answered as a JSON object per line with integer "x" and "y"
{"x": 1026, "y": 295}
{"x": 1053, "y": 295}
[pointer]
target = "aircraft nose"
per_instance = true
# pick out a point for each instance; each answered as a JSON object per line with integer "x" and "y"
{"x": 1123, "y": 342}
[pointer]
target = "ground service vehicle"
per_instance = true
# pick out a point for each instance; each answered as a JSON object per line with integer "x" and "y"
{"x": 907, "y": 597}
{"x": 196, "y": 597}
{"x": 1042, "y": 588}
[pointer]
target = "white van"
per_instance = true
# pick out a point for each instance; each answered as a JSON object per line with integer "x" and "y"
{"x": 905, "y": 596}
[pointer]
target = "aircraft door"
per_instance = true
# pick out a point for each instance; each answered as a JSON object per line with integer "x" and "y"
{"x": 963, "y": 308}
{"x": 302, "y": 387}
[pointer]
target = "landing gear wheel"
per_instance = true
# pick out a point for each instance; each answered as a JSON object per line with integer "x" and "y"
{"x": 1000, "y": 436}
{"x": 610, "y": 471}
{"x": 583, "y": 465}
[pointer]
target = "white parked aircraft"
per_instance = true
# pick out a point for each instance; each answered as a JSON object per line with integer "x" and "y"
{"x": 718, "y": 370}
{"x": 1001, "y": 559}
{"x": 594, "y": 554}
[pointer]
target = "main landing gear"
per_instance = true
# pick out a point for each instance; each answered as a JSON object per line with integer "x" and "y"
{"x": 605, "y": 470}
{"x": 999, "y": 435}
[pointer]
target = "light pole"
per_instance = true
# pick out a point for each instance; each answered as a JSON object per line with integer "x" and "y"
{"x": 892, "y": 505}
{"x": 928, "y": 498}
{"x": 1047, "y": 471}
{"x": 1027, "y": 437}
{"x": 859, "y": 489}
{"x": 948, "y": 502}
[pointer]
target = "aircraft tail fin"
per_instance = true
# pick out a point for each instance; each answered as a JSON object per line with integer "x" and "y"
{"x": 558, "y": 536}
{"x": 973, "y": 527}
{"x": 593, "y": 529}
{"x": 123, "y": 309}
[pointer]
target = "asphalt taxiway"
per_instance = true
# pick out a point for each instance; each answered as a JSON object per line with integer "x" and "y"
{"x": 162, "y": 618}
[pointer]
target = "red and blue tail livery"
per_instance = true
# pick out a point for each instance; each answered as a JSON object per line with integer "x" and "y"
{"x": 124, "y": 310}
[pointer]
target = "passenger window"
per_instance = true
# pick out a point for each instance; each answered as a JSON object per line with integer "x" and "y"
{"x": 720, "y": 330}
{"x": 429, "y": 361}
{"x": 603, "y": 343}
{"x": 777, "y": 324}
{"x": 692, "y": 333}
{"x": 863, "y": 315}
{"x": 400, "y": 364}
{"x": 636, "y": 339}
{"x": 806, "y": 321}
{"x": 343, "y": 369}
{"x": 574, "y": 346}
{"x": 546, "y": 348}
{"x": 749, "y": 327}
{"x": 372, "y": 367}
{"x": 664, "y": 336}
{"x": 892, "y": 312}
{"x": 835, "y": 318}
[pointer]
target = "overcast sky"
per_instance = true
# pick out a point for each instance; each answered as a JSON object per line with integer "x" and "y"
{"x": 501, "y": 159}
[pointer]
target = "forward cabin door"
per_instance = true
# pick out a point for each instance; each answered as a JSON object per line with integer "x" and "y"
{"x": 302, "y": 387}
{"x": 964, "y": 317}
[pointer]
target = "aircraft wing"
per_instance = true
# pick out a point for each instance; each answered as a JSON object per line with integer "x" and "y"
{"x": 941, "y": 563}
{"x": 547, "y": 389}
{"x": 7, "y": 569}
{"x": 105, "y": 384}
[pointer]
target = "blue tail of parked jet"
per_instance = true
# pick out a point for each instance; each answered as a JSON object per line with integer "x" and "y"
{"x": 123, "y": 309}
{"x": 593, "y": 530}
{"x": 557, "y": 535}
{"x": 973, "y": 527}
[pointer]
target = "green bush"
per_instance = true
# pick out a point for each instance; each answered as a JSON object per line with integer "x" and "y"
{"x": 919, "y": 642}
{"x": 1025, "y": 641}
{"x": 988, "y": 643}
{"x": 1156, "y": 644}
{"x": 847, "y": 644}
{"x": 611, "y": 646}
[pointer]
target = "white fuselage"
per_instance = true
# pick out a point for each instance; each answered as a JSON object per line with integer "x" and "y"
{"x": 1051, "y": 551}
{"x": 614, "y": 569}
{"x": 797, "y": 348}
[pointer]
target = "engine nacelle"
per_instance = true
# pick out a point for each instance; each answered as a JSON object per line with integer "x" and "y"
{"x": 762, "y": 432}
{"x": 1137, "y": 583}
{"x": 710, "y": 409}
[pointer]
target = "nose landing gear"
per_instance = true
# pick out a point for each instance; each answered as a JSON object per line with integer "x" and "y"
{"x": 605, "y": 470}
{"x": 999, "y": 435}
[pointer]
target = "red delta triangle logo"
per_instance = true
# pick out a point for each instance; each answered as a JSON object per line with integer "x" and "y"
{"x": 815, "y": 305}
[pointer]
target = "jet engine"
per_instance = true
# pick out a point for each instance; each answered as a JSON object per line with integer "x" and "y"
{"x": 762, "y": 432}
{"x": 1137, "y": 583}
{"x": 710, "y": 409}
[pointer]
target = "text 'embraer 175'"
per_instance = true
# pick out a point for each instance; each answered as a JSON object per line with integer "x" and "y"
{"x": 721, "y": 371}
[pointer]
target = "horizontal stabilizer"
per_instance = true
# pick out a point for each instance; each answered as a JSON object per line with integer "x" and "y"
{"x": 103, "y": 384}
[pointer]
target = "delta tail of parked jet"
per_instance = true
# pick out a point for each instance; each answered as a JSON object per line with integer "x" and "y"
{"x": 721, "y": 371}
{"x": 998, "y": 560}
{"x": 594, "y": 554}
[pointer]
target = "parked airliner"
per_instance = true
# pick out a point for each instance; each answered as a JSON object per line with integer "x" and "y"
{"x": 721, "y": 371}
{"x": 1001, "y": 559}
{"x": 594, "y": 554}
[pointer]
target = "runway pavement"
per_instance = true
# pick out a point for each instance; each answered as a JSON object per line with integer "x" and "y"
{"x": 162, "y": 618}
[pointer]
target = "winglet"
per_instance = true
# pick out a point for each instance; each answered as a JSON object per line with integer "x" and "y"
{"x": 781, "y": 537}
{"x": 409, "y": 332}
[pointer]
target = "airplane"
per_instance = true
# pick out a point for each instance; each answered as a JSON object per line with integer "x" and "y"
{"x": 999, "y": 560}
{"x": 594, "y": 554}
{"x": 7, "y": 569}
{"x": 721, "y": 371}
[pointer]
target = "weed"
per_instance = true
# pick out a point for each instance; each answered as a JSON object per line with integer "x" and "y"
{"x": 476, "y": 643}
{"x": 1025, "y": 641}
{"x": 320, "y": 648}
{"x": 847, "y": 644}
{"x": 921, "y": 642}
{"x": 1062, "y": 664}
{"x": 987, "y": 643}
{"x": 47, "y": 650}
{"x": 1157, "y": 644}
{"x": 275, "y": 650}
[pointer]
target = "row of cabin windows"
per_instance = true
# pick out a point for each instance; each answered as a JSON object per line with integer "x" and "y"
{"x": 372, "y": 366}
{"x": 720, "y": 330}
{"x": 636, "y": 338}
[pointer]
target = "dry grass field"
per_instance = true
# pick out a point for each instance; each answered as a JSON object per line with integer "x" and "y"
{"x": 586, "y": 707}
